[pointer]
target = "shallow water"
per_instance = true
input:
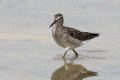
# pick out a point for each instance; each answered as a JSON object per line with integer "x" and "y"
{"x": 71, "y": 71}
{"x": 28, "y": 52}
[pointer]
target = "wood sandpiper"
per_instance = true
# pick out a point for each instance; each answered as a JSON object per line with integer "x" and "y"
{"x": 67, "y": 37}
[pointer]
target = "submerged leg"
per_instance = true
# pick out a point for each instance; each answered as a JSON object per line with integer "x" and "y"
{"x": 76, "y": 54}
{"x": 64, "y": 54}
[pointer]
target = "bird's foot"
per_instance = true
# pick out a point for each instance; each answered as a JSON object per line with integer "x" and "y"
{"x": 63, "y": 56}
{"x": 76, "y": 55}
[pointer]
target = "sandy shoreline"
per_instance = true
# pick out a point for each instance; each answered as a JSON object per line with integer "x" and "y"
{"x": 17, "y": 36}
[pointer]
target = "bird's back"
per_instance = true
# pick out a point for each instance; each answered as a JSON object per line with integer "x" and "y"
{"x": 79, "y": 35}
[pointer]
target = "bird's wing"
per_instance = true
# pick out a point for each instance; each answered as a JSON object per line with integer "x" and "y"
{"x": 81, "y": 36}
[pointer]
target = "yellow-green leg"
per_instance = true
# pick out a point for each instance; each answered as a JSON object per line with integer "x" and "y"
{"x": 76, "y": 54}
{"x": 64, "y": 54}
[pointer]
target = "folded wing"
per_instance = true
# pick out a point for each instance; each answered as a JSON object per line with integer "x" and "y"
{"x": 82, "y": 36}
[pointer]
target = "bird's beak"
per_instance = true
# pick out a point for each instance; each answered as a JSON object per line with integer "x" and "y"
{"x": 53, "y": 23}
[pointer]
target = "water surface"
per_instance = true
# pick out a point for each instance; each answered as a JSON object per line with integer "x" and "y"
{"x": 28, "y": 52}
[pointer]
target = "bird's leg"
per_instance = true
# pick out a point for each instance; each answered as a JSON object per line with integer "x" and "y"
{"x": 64, "y": 54}
{"x": 76, "y": 54}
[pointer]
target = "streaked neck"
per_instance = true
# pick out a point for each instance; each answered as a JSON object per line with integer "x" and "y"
{"x": 59, "y": 24}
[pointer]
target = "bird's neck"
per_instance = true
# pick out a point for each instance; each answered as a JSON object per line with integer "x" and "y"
{"x": 57, "y": 27}
{"x": 59, "y": 24}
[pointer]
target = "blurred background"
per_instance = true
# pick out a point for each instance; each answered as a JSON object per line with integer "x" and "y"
{"x": 28, "y": 52}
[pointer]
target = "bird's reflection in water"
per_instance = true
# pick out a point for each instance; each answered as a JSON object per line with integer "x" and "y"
{"x": 70, "y": 71}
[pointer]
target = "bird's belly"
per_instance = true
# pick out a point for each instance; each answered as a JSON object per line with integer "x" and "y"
{"x": 65, "y": 43}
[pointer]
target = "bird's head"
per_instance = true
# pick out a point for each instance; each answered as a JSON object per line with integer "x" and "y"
{"x": 58, "y": 19}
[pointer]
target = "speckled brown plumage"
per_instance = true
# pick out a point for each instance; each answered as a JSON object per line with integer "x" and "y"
{"x": 82, "y": 36}
{"x": 67, "y": 37}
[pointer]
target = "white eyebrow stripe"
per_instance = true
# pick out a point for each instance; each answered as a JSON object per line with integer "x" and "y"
{"x": 58, "y": 18}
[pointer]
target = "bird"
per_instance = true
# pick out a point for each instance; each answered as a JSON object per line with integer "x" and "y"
{"x": 68, "y": 37}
